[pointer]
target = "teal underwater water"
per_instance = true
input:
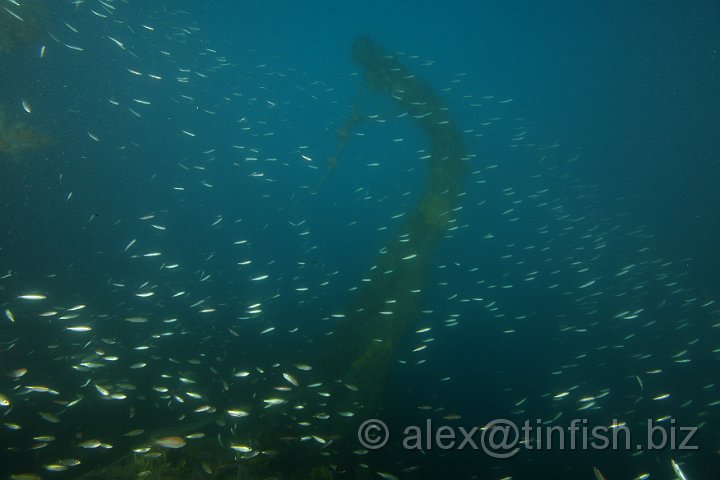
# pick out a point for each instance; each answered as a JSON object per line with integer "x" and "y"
{"x": 194, "y": 192}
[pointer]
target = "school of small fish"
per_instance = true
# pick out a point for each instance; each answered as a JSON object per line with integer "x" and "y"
{"x": 223, "y": 267}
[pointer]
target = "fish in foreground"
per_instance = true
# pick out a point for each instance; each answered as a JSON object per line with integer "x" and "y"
{"x": 678, "y": 471}
{"x": 171, "y": 442}
{"x": 32, "y": 296}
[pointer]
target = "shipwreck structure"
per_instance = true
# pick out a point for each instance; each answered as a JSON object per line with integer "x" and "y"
{"x": 355, "y": 360}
